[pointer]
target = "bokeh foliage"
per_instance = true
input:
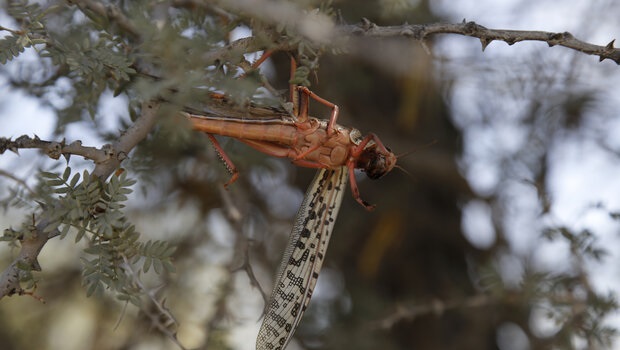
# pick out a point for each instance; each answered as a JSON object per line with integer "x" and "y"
{"x": 405, "y": 276}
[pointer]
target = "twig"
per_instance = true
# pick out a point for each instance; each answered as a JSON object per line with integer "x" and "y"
{"x": 12, "y": 31}
{"x": 21, "y": 182}
{"x": 109, "y": 12}
{"x": 436, "y": 307}
{"x": 55, "y": 149}
{"x": 163, "y": 325}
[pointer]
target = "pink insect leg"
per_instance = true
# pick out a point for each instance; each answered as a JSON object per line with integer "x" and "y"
{"x": 335, "y": 109}
{"x": 355, "y": 190}
{"x": 356, "y": 152}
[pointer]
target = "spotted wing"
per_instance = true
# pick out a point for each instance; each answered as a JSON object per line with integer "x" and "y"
{"x": 301, "y": 264}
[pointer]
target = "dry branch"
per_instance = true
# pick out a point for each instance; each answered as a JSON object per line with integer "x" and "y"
{"x": 55, "y": 149}
{"x": 486, "y": 36}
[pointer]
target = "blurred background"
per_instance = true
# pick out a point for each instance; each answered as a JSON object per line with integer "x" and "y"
{"x": 501, "y": 233}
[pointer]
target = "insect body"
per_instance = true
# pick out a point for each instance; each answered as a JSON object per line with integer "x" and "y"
{"x": 309, "y": 142}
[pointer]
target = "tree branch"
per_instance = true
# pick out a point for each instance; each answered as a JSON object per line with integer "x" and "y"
{"x": 486, "y": 36}
{"x": 128, "y": 140}
{"x": 30, "y": 249}
{"x": 55, "y": 149}
{"x": 112, "y": 156}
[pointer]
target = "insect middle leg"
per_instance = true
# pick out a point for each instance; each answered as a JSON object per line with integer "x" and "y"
{"x": 306, "y": 95}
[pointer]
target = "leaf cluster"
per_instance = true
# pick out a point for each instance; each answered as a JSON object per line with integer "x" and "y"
{"x": 31, "y": 17}
{"x": 91, "y": 210}
{"x": 176, "y": 62}
{"x": 567, "y": 298}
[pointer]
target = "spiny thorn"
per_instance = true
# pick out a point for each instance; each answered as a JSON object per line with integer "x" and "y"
{"x": 485, "y": 42}
{"x": 366, "y": 23}
{"x": 610, "y": 46}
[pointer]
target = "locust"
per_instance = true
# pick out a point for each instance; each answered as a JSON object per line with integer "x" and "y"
{"x": 313, "y": 143}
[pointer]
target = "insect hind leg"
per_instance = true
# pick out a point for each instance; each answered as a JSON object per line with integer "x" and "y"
{"x": 230, "y": 166}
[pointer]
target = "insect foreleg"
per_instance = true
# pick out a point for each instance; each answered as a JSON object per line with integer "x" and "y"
{"x": 355, "y": 190}
{"x": 359, "y": 148}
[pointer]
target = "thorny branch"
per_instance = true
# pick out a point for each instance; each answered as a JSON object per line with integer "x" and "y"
{"x": 55, "y": 149}
{"x": 31, "y": 247}
{"x": 486, "y": 36}
{"x": 439, "y": 307}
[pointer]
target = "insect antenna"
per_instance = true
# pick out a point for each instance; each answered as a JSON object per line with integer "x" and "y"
{"x": 403, "y": 170}
{"x": 403, "y": 155}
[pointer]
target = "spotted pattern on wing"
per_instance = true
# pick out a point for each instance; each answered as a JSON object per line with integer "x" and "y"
{"x": 303, "y": 258}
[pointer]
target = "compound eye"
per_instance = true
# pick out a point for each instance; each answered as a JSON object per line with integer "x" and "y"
{"x": 376, "y": 167}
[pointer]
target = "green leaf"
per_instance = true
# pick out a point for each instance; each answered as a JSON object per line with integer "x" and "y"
{"x": 75, "y": 180}
{"x": 51, "y": 226}
{"x": 55, "y": 182}
{"x": 157, "y": 266}
{"x": 124, "y": 190}
{"x": 62, "y": 190}
{"x": 147, "y": 264}
{"x": 49, "y": 175}
{"x": 65, "y": 230}
{"x": 94, "y": 287}
{"x": 66, "y": 174}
